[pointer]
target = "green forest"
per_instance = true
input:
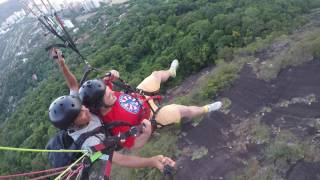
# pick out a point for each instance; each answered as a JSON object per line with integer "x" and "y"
{"x": 136, "y": 38}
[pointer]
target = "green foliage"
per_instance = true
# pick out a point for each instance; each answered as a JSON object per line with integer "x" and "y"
{"x": 284, "y": 151}
{"x": 254, "y": 171}
{"x": 285, "y": 148}
{"x": 212, "y": 84}
{"x": 289, "y": 53}
{"x": 220, "y": 79}
{"x": 259, "y": 132}
{"x": 199, "y": 153}
{"x": 29, "y": 129}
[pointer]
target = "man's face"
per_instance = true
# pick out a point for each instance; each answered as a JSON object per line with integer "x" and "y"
{"x": 109, "y": 98}
{"x": 83, "y": 117}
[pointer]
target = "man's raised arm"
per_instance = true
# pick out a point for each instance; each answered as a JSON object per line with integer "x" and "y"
{"x": 67, "y": 74}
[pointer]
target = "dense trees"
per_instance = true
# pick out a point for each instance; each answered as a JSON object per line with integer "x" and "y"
{"x": 135, "y": 39}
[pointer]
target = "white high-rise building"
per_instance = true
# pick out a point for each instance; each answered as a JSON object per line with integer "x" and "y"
{"x": 96, "y": 3}
{"x": 89, "y": 5}
{"x": 68, "y": 23}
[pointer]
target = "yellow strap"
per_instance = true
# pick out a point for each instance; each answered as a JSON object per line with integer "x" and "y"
{"x": 39, "y": 150}
{"x": 69, "y": 168}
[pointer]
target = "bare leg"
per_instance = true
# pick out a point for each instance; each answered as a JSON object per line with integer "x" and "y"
{"x": 174, "y": 112}
{"x": 191, "y": 111}
{"x": 161, "y": 76}
{"x": 153, "y": 82}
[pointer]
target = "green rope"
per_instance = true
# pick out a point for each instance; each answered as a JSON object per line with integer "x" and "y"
{"x": 39, "y": 150}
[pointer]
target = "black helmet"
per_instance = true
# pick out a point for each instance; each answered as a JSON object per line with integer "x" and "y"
{"x": 91, "y": 94}
{"x": 64, "y": 110}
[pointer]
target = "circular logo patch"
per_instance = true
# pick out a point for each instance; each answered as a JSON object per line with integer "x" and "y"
{"x": 129, "y": 103}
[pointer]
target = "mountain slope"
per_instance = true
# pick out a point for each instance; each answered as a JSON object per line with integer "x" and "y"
{"x": 270, "y": 128}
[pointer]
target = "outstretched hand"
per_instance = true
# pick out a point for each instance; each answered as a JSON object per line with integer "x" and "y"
{"x": 57, "y": 54}
{"x": 161, "y": 161}
{"x": 112, "y": 75}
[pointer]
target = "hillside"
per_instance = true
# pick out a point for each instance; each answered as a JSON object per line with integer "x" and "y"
{"x": 21, "y": 54}
{"x": 270, "y": 127}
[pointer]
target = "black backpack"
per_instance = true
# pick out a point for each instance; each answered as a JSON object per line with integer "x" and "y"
{"x": 61, "y": 140}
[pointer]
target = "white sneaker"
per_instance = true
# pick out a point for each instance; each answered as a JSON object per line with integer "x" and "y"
{"x": 173, "y": 67}
{"x": 213, "y": 107}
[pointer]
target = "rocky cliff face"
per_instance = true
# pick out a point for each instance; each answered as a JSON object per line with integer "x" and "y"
{"x": 270, "y": 128}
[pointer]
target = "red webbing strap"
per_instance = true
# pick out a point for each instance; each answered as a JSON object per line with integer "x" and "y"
{"x": 99, "y": 147}
{"x": 157, "y": 97}
{"x": 75, "y": 171}
{"x": 46, "y": 176}
{"x": 32, "y": 173}
{"x": 107, "y": 170}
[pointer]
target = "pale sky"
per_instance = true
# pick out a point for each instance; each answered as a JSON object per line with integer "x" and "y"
{"x": 58, "y": 1}
{"x": 2, "y": 1}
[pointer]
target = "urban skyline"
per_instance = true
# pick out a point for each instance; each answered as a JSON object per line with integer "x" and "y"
{"x": 58, "y": 5}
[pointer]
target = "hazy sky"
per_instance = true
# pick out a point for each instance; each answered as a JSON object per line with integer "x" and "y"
{"x": 7, "y": 7}
{"x": 58, "y": 1}
{"x": 2, "y": 1}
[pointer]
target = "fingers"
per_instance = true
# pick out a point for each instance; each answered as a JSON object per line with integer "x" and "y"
{"x": 168, "y": 161}
{"x": 53, "y": 52}
{"x": 115, "y": 74}
{"x": 57, "y": 54}
{"x": 157, "y": 161}
{"x": 160, "y": 157}
{"x": 163, "y": 161}
{"x": 111, "y": 75}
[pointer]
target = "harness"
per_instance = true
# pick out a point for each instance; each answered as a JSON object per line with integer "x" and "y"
{"x": 139, "y": 94}
{"x": 157, "y": 98}
{"x": 141, "y": 97}
{"x": 105, "y": 151}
